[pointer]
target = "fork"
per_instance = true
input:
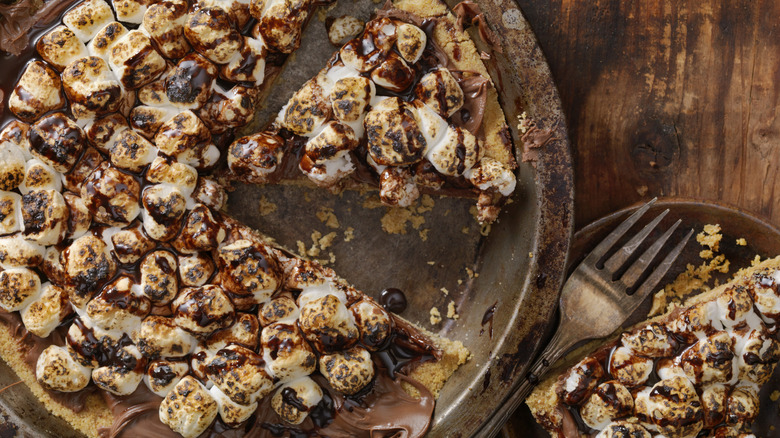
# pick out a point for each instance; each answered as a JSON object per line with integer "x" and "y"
{"x": 594, "y": 302}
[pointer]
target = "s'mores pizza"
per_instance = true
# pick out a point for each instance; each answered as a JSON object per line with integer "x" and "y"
{"x": 132, "y": 305}
{"x": 693, "y": 372}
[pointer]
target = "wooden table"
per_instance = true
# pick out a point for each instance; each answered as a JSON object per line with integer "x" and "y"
{"x": 666, "y": 98}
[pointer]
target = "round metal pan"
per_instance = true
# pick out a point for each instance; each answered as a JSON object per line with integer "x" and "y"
{"x": 762, "y": 238}
{"x": 518, "y": 266}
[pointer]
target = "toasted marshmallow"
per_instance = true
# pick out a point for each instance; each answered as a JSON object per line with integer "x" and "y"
{"x": 60, "y": 46}
{"x": 411, "y": 42}
{"x": 189, "y": 84}
{"x": 51, "y": 266}
{"x": 343, "y": 28}
{"x": 735, "y": 306}
{"x": 349, "y": 371}
{"x": 105, "y": 39}
{"x": 195, "y": 270}
{"x": 11, "y": 212}
{"x": 306, "y": 110}
{"x": 200, "y": 232}
{"x": 18, "y": 288}
{"x": 239, "y": 373}
{"x": 189, "y": 408}
{"x": 281, "y": 308}
{"x": 374, "y": 323}
{"x": 209, "y": 193}
{"x": 118, "y": 307}
{"x": 90, "y": 346}
{"x": 327, "y": 324}
{"x": 149, "y": 119}
{"x": 15, "y": 251}
{"x": 256, "y": 157}
{"x": 397, "y": 187}
{"x": 164, "y": 206}
{"x": 164, "y": 22}
{"x": 132, "y": 152}
{"x": 16, "y": 132}
{"x": 87, "y": 18}
{"x": 239, "y": 10}
{"x": 166, "y": 171}
{"x": 335, "y": 138}
{"x": 490, "y": 174}
{"x": 186, "y": 138}
{"x": 12, "y": 166}
{"x": 764, "y": 292}
{"x": 758, "y": 356}
{"x": 232, "y": 413}
{"x": 103, "y": 132}
{"x": 622, "y": 429}
{"x": 158, "y": 277}
{"x": 440, "y": 91}
{"x": 650, "y": 341}
{"x": 280, "y": 22}
{"x": 57, "y": 371}
{"x": 629, "y": 368}
{"x": 89, "y": 161}
{"x": 709, "y": 360}
{"x": 121, "y": 379}
{"x": 79, "y": 217}
{"x": 211, "y": 33}
{"x": 247, "y": 268}
{"x": 245, "y": 332}
{"x": 39, "y": 176}
{"x": 248, "y": 64}
{"x": 88, "y": 264}
{"x": 578, "y": 383}
{"x": 131, "y": 11}
{"x": 112, "y": 196}
{"x": 203, "y": 310}
{"x": 674, "y": 407}
{"x": 57, "y": 141}
{"x": 234, "y": 108}
{"x": 294, "y": 400}
{"x": 458, "y": 152}
{"x": 135, "y": 61}
{"x": 393, "y": 73}
{"x": 130, "y": 244}
{"x": 303, "y": 274}
{"x": 199, "y": 361}
{"x": 742, "y": 405}
{"x": 47, "y": 311}
{"x": 91, "y": 88}
{"x": 354, "y": 55}
{"x": 713, "y": 402}
{"x": 162, "y": 375}
{"x": 45, "y": 216}
{"x": 394, "y": 137}
{"x": 287, "y": 355}
{"x": 350, "y": 96}
{"x": 38, "y": 91}
{"x": 609, "y": 401}
{"x": 159, "y": 336}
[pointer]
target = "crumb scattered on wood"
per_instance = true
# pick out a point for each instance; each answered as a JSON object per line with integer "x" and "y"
{"x": 349, "y": 234}
{"x": 435, "y": 316}
{"x": 444, "y": 291}
{"x": 451, "y": 311}
{"x": 266, "y": 207}
{"x": 741, "y": 241}
{"x": 328, "y": 217}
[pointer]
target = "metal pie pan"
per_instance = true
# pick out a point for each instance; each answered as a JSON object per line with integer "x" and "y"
{"x": 519, "y": 265}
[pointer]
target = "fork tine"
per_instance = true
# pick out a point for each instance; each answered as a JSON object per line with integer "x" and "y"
{"x": 609, "y": 241}
{"x": 623, "y": 254}
{"x": 652, "y": 281}
{"x": 640, "y": 266}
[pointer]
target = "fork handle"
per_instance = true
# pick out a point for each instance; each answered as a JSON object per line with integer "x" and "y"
{"x": 560, "y": 343}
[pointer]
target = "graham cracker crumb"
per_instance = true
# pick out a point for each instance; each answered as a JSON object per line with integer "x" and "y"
{"x": 741, "y": 241}
{"x": 464, "y": 230}
{"x": 444, "y": 291}
{"x": 522, "y": 122}
{"x": 451, "y": 311}
{"x": 326, "y": 216}
{"x": 266, "y": 207}
{"x": 460, "y": 282}
{"x": 306, "y": 197}
{"x": 424, "y": 234}
{"x": 396, "y": 219}
{"x": 349, "y": 234}
{"x": 706, "y": 254}
{"x": 530, "y": 255}
{"x": 485, "y": 229}
{"x": 301, "y": 248}
{"x": 470, "y": 273}
{"x": 774, "y": 396}
{"x": 332, "y": 257}
{"x": 426, "y": 204}
{"x": 431, "y": 263}
{"x": 435, "y": 316}
{"x": 372, "y": 202}
{"x": 756, "y": 260}
{"x": 327, "y": 240}
{"x": 710, "y": 237}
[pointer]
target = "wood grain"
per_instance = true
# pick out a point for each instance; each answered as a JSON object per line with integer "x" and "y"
{"x": 667, "y": 98}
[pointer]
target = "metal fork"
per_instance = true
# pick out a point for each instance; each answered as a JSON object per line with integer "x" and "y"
{"x": 593, "y": 304}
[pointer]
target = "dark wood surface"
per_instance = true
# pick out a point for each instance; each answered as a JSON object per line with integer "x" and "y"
{"x": 667, "y": 98}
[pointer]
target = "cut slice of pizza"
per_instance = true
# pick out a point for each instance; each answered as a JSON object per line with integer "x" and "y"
{"x": 407, "y": 106}
{"x": 131, "y": 305}
{"x": 695, "y": 371}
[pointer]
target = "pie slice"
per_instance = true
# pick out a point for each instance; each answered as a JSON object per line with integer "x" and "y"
{"x": 693, "y": 372}
{"x": 407, "y": 106}
{"x": 131, "y": 305}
